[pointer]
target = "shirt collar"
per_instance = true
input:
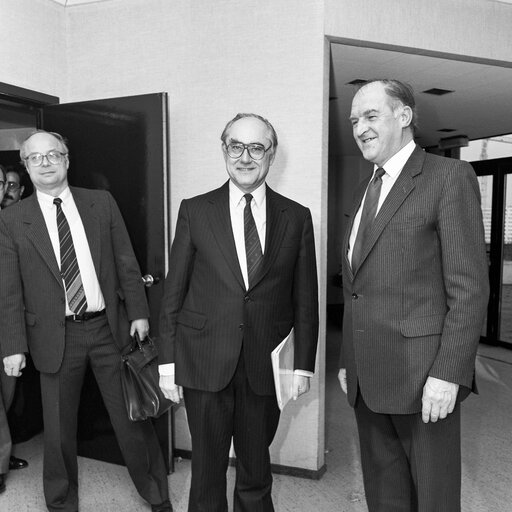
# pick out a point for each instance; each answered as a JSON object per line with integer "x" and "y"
{"x": 46, "y": 200}
{"x": 236, "y": 195}
{"x": 396, "y": 163}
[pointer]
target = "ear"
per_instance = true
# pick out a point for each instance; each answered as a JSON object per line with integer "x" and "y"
{"x": 406, "y": 116}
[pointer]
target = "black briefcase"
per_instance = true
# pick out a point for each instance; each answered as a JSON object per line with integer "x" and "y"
{"x": 139, "y": 379}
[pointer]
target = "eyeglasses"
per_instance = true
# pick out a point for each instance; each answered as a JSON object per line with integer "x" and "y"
{"x": 256, "y": 151}
{"x": 54, "y": 157}
{"x": 2, "y": 183}
{"x": 12, "y": 185}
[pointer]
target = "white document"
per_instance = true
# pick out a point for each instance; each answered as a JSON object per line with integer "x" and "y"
{"x": 282, "y": 365}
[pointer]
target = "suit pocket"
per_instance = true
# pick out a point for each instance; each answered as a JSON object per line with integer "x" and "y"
{"x": 422, "y": 326}
{"x": 30, "y": 318}
{"x": 191, "y": 319}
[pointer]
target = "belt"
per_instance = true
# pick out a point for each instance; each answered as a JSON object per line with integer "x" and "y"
{"x": 85, "y": 316}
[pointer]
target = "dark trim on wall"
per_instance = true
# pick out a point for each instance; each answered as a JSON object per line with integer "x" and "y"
{"x": 25, "y": 96}
{"x": 419, "y": 51}
{"x": 276, "y": 468}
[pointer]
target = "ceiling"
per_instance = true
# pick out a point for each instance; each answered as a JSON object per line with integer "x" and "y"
{"x": 479, "y": 107}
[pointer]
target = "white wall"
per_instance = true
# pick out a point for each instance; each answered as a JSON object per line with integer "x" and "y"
{"x": 214, "y": 60}
{"x": 475, "y": 28}
{"x": 32, "y": 45}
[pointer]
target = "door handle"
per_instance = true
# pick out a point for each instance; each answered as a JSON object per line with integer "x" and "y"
{"x": 149, "y": 280}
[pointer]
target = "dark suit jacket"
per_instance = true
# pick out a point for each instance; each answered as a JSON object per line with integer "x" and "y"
{"x": 32, "y": 295}
{"x": 207, "y": 314}
{"x": 415, "y": 307}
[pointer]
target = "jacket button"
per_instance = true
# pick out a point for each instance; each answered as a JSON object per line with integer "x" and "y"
{"x": 354, "y": 296}
{"x": 247, "y": 298}
{"x": 241, "y": 327}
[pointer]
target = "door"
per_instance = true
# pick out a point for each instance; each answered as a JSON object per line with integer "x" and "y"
{"x": 495, "y": 178}
{"x": 120, "y": 145}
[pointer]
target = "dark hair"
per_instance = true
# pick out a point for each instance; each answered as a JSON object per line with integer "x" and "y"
{"x": 3, "y": 171}
{"x": 400, "y": 93}
{"x": 273, "y": 134}
{"x": 58, "y": 136}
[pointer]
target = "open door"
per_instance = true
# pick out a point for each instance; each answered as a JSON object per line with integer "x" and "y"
{"x": 120, "y": 145}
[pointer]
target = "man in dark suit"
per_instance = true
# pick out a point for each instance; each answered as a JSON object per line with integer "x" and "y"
{"x": 71, "y": 293}
{"x": 415, "y": 282}
{"x": 242, "y": 274}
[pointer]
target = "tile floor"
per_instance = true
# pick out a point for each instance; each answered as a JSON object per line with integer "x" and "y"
{"x": 487, "y": 459}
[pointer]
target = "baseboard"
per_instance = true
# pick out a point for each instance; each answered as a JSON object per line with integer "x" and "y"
{"x": 278, "y": 469}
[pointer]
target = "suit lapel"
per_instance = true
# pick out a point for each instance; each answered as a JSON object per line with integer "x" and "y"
{"x": 91, "y": 223}
{"x": 37, "y": 232}
{"x": 276, "y": 226}
{"x": 403, "y": 186}
{"x": 220, "y": 224}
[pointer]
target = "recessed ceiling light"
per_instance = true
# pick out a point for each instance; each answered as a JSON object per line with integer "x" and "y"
{"x": 437, "y": 92}
{"x": 357, "y": 81}
{"x": 447, "y": 130}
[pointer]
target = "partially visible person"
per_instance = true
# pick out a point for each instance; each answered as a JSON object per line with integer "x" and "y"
{"x": 7, "y": 389}
{"x": 72, "y": 293}
{"x": 415, "y": 281}
{"x": 14, "y": 188}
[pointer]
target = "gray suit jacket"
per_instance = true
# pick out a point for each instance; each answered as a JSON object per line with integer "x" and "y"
{"x": 415, "y": 307}
{"x": 32, "y": 295}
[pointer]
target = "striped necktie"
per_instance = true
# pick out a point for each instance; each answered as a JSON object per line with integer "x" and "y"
{"x": 69, "y": 269}
{"x": 368, "y": 214}
{"x": 253, "y": 250}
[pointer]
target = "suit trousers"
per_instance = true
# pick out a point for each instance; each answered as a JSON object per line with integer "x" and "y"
{"x": 91, "y": 342}
{"x": 214, "y": 419}
{"x": 8, "y": 386}
{"x": 409, "y": 466}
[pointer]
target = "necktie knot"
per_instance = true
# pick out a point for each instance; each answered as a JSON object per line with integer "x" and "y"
{"x": 379, "y": 173}
{"x": 248, "y": 198}
{"x": 57, "y": 201}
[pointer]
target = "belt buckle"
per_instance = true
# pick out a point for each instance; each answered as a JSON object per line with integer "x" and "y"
{"x": 77, "y": 318}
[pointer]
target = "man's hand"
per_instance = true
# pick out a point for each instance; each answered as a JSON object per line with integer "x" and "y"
{"x": 14, "y": 364}
{"x": 438, "y": 399}
{"x": 300, "y": 385}
{"x": 342, "y": 377}
{"x": 170, "y": 389}
{"x": 140, "y": 326}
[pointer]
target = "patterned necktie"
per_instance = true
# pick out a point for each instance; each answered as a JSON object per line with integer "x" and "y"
{"x": 253, "y": 250}
{"x": 367, "y": 216}
{"x": 69, "y": 269}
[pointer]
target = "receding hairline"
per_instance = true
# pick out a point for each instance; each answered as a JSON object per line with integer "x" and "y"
{"x": 57, "y": 136}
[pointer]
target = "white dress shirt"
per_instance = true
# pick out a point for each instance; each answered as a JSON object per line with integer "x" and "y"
{"x": 95, "y": 300}
{"x": 259, "y": 212}
{"x": 393, "y": 168}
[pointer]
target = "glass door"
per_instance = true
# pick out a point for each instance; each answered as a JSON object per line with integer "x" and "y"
{"x": 495, "y": 178}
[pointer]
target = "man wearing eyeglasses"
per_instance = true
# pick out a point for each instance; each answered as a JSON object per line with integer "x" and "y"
{"x": 242, "y": 274}
{"x": 13, "y": 189}
{"x": 71, "y": 292}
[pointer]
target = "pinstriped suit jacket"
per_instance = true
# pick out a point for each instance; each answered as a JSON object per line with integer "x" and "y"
{"x": 415, "y": 307}
{"x": 207, "y": 314}
{"x": 32, "y": 296}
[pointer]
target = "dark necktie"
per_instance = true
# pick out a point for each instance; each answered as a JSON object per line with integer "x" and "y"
{"x": 371, "y": 202}
{"x": 69, "y": 269}
{"x": 253, "y": 250}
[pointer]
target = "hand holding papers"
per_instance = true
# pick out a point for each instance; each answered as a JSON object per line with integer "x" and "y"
{"x": 282, "y": 364}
